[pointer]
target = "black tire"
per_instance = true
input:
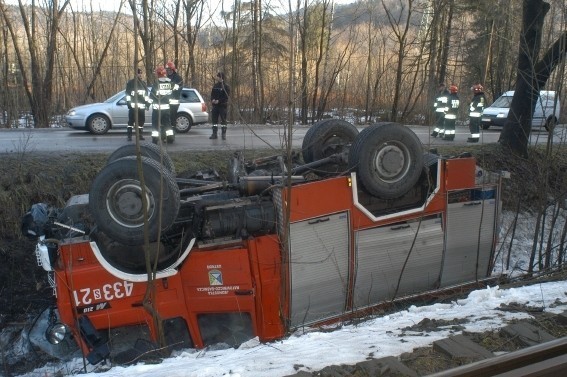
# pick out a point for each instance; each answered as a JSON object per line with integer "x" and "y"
{"x": 388, "y": 159}
{"x": 183, "y": 123}
{"x": 326, "y": 138}
{"x": 430, "y": 159}
{"x": 132, "y": 259}
{"x": 98, "y": 124}
{"x": 306, "y": 149}
{"x": 147, "y": 150}
{"x": 485, "y": 126}
{"x": 115, "y": 200}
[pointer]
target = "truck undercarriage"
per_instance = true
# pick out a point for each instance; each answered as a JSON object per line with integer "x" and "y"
{"x": 367, "y": 218}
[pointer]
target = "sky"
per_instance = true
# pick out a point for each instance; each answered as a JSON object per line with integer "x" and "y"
{"x": 352, "y": 343}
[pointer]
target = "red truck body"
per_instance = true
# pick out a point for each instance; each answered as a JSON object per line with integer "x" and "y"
{"x": 343, "y": 254}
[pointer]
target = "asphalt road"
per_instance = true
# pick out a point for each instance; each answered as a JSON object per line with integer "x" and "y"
{"x": 66, "y": 140}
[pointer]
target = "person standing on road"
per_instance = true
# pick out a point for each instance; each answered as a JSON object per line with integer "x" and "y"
{"x": 160, "y": 96}
{"x": 219, "y": 100}
{"x": 452, "y": 112}
{"x": 176, "y": 92}
{"x": 475, "y": 112}
{"x": 138, "y": 101}
{"x": 440, "y": 108}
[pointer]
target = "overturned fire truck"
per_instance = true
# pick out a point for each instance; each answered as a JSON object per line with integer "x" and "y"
{"x": 368, "y": 217}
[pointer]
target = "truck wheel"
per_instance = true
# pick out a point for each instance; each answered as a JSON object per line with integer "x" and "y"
{"x": 306, "y": 149}
{"x": 147, "y": 150}
{"x": 388, "y": 158}
{"x": 131, "y": 258}
{"x": 326, "y": 138}
{"x": 115, "y": 200}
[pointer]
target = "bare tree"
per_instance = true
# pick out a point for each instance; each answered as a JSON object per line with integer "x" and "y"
{"x": 531, "y": 76}
{"x": 39, "y": 89}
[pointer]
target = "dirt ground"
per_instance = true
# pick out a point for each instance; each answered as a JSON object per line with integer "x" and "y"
{"x": 28, "y": 178}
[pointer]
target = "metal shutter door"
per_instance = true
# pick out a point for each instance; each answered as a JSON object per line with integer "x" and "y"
{"x": 381, "y": 254}
{"x": 463, "y": 226}
{"x": 319, "y": 254}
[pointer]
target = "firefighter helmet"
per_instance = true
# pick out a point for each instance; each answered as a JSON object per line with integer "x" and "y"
{"x": 170, "y": 65}
{"x": 160, "y": 71}
{"x": 477, "y": 88}
{"x": 453, "y": 88}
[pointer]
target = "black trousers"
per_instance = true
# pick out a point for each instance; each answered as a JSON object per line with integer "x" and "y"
{"x": 219, "y": 111}
{"x": 132, "y": 117}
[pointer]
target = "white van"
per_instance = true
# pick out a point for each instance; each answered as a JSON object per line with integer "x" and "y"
{"x": 546, "y": 113}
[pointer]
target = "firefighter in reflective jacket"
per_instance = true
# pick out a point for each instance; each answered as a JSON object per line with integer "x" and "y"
{"x": 451, "y": 115}
{"x": 440, "y": 107}
{"x": 138, "y": 101}
{"x": 177, "y": 81}
{"x": 475, "y": 112}
{"x": 160, "y": 96}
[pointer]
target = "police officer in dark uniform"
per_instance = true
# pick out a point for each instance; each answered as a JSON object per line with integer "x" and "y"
{"x": 219, "y": 100}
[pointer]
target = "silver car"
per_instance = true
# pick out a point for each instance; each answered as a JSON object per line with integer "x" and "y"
{"x": 99, "y": 118}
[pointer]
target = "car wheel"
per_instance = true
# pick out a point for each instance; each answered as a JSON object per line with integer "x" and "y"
{"x": 183, "y": 123}
{"x": 147, "y": 150}
{"x": 115, "y": 200}
{"x": 485, "y": 126}
{"x": 332, "y": 136}
{"x": 388, "y": 159}
{"x": 98, "y": 124}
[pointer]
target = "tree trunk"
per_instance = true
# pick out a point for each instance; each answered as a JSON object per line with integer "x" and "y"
{"x": 516, "y": 130}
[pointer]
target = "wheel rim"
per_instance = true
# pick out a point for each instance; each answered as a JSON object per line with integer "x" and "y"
{"x": 99, "y": 124}
{"x": 392, "y": 161}
{"x": 124, "y": 203}
{"x": 182, "y": 123}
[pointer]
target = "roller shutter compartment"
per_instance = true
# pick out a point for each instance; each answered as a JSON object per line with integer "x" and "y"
{"x": 471, "y": 216}
{"x": 387, "y": 255}
{"x": 318, "y": 256}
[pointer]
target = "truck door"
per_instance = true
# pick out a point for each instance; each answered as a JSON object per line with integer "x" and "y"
{"x": 318, "y": 268}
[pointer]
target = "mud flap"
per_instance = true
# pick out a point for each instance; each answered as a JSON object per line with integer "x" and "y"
{"x": 98, "y": 346}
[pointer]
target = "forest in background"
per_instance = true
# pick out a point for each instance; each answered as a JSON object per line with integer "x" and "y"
{"x": 370, "y": 60}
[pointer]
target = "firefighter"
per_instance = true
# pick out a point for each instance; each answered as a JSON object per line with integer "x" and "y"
{"x": 475, "y": 112}
{"x": 137, "y": 100}
{"x": 440, "y": 107}
{"x": 219, "y": 100}
{"x": 451, "y": 114}
{"x": 176, "y": 93}
{"x": 160, "y": 96}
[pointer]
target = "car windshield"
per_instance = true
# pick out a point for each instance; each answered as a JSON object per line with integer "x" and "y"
{"x": 503, "y": 101}
{"x": 115, "y": 97}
